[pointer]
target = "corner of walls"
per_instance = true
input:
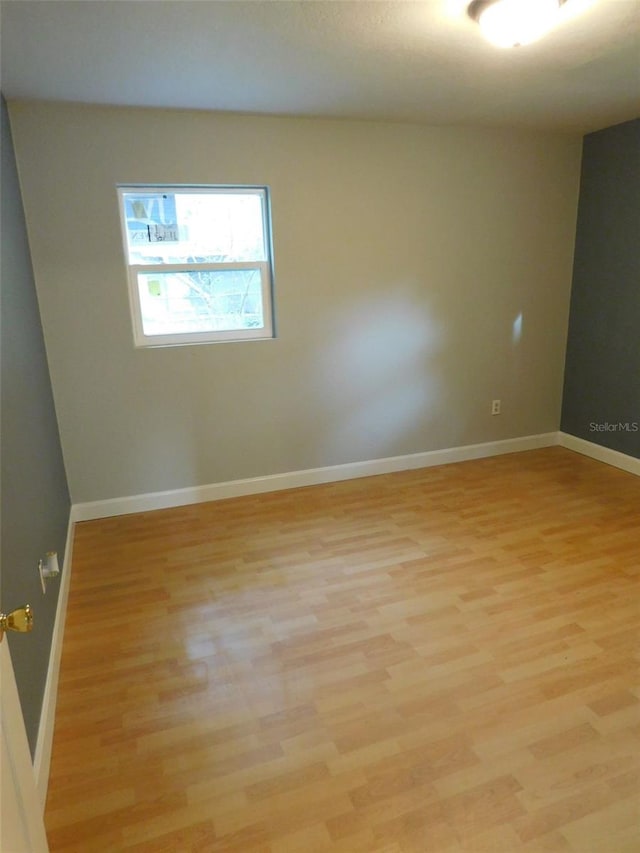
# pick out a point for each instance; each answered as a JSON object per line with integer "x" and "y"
{"x": 375, "y": 356}
{"x": 600, "y": 453}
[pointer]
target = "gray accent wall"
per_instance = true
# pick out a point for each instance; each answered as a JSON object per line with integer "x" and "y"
{"x": 601, "y": 400}
{"x": 35, "y": 498}
{"x": 420, "y": 273}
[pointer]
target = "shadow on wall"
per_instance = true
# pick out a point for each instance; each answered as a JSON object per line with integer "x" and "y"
{"x": 395, "y": 381}
{"x": 378, "y": 382}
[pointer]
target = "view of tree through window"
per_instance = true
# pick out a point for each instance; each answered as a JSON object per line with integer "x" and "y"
{"x": 199, "y": 263}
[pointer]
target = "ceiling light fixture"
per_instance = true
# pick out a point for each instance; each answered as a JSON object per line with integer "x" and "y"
{"x": 511, "y": 23}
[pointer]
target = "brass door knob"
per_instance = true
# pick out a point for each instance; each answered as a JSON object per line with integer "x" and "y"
{"x": 18, "y": 620}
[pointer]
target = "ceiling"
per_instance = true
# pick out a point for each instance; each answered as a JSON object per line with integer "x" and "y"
{"x": 401, "y": 61}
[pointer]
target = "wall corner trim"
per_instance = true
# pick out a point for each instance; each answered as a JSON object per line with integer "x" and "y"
{"x": 308, "y": 477}
{"x": 602, "y": 454}
{"x": 44, "y": 743}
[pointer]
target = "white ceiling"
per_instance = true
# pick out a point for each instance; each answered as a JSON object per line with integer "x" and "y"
{"x": 403, "y": 60}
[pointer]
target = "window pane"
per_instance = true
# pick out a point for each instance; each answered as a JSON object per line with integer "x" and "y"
{"x": 177, "y": 226}
{"x": 208, "y": 301}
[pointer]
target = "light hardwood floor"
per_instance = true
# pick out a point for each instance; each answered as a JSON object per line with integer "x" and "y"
{"x": 434, "y": 660}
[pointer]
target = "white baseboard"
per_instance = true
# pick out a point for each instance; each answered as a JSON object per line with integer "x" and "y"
{"x": 42, "y": 757}
{"x": 602, "y": 454}
{"x": 309, "y": 477}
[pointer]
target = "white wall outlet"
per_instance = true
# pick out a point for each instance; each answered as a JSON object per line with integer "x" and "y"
{"x": 495, "y": 407}
{"x": 48, "y": 568}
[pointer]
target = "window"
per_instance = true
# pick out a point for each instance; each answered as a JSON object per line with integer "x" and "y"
{"x": 199, "y": 263}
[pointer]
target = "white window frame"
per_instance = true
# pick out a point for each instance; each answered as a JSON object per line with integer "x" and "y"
{"x": 265, "y": 269}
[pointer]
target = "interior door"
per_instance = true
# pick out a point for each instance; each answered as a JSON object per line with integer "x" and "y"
{"x": 21, "y": 821}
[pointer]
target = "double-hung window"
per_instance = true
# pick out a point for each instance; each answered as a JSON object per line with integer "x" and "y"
{"x": 199, "y": 263}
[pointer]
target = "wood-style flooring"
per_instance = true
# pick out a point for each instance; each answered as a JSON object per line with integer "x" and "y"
{"x": 430, "y": 661}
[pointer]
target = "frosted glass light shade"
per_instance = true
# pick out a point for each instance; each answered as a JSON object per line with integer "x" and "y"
{"x": 511, "y": 23}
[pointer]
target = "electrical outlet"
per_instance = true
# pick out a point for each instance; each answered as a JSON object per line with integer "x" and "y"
{"x": 495, "y": 407}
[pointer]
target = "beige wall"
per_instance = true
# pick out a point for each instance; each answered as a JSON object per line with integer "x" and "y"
{"x": 403, "y": 255}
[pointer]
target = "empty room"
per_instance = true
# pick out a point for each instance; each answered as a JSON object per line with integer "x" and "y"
{"x": 320, "y": 426}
